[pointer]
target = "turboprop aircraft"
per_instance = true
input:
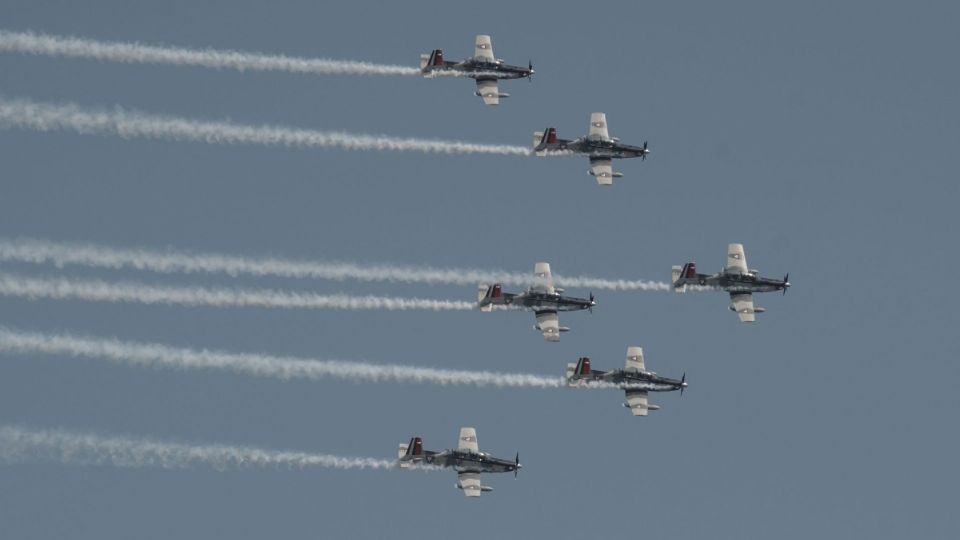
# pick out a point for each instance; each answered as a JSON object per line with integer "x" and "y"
{"x": 467, "y": 460}
{"x": 482, "y": 66}
{"x": 633, "y": 378}
{"x": 543, "y": 298}
{"x": 736, "y": 278}
{"x": 598, "y": 145}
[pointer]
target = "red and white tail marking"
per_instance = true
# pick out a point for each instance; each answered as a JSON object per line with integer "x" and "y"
{"x": 549, "y": 136}
{"x": 415, "y": 448}
{"x": 583, "y": 367}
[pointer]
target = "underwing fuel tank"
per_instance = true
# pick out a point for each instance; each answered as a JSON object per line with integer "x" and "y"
{"x": 756, "y": 309}
{"x": 501, "y": 94}
{"x": 650, "y": 407}
{"x": 482, "y": 488}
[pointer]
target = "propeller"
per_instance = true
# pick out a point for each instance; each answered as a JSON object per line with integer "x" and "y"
{"x": 683, "y": 383}
{"x": 645, "y": 152}
{"x": 786, "y": 283}
{"x": 591, "y": 303}
{"x": 530, "y": 69}
{"x": 516, "y": 463}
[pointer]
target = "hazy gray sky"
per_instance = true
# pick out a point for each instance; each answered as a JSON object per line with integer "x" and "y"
{"x": 819, "y": 135}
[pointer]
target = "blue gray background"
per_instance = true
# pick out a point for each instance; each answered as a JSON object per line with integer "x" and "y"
{"x": 822, "y": 135}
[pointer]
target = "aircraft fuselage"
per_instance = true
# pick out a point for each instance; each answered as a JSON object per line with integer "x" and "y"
{"x": 742, "y": 283}
{"x": 479, "y": 69}
{"x": 594, "y": 148}
{"x": 461, "y": 461}
{"x": 605, "y": 148}
{"x": 640, "y": 380}
{"x": 545, "y": 301}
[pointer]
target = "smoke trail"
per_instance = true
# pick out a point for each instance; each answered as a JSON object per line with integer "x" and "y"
{"x": 25, "y": 114}
{"x": 18, "y": 445}
{"x": 65, "y": 289}
{"x": 257, "y": 365}
{"x": 61, "y": 254}
{"x": 137, "y": 53}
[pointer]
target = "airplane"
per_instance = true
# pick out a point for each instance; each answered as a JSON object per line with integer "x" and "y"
{"x": 483, "y": 67}
{"x": 467, "y": 460}
{"x": 633, "y": 378}
{"x": 542, "y": 297}
{"x": 598, "y": 145}
{"x": 736, "y": 278}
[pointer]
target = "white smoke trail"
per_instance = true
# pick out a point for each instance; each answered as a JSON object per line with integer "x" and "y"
{"x": 102, "y": 291}
{"x": 170, "y": 261}
{"x": 258, "y": 365}
{"x": 18, "y": 445}
{"x": 138, "y": 53}
{"x": 26, "y": 114}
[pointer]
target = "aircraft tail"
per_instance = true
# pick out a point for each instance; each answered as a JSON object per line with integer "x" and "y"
{"x": 682, "y": 275}
{"x": 411, "y": 449}
{"x": 486, "y": 294}
{"x": 579, "y": 370}
{"x": 545, "y": 138}
{"x": 434, "y": 59}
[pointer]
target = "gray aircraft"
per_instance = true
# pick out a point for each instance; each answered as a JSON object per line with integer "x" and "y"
{"x": 467, "y": 460}
{"x": 736, "y": 278}
{"x": 633, "y": 378}
{"x": 483, "y": 67}
{"x": 543, "y": 298}
{"x": 598, "y": 145}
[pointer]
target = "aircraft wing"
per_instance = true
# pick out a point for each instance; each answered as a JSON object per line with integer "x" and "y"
{"x": 488, "y": 90}
{"x": 742, "y": 303}
{"x": 544, "y": 279}
{"x": 549, "y": 325}
{"x": 602, "y": 170}
{"x": 736, "y": 258}
{"x": 598, "y": 126}
{"x": 468, "y": 441}
{"x": 635, "y": 359}
{"x": 483, "y": 49}
{"x": 638, "y": 403}
{"x": 469, "y": 482}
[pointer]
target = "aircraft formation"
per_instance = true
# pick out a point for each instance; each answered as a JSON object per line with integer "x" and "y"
{"x": 547, "y": 300}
